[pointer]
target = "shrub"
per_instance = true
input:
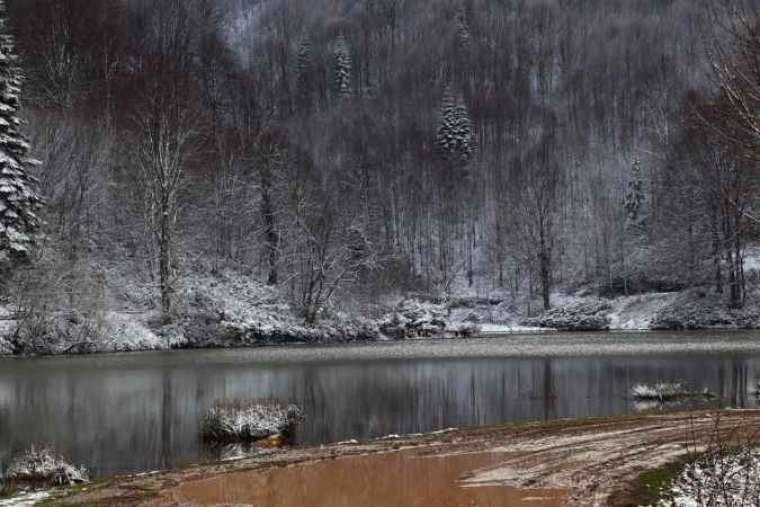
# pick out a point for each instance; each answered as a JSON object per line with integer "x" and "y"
{"x": 242, "y": 420}
{"x": 42, "y": 468}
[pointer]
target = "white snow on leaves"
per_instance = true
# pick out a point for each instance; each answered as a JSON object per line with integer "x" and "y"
{"x": 248, "y": 420}
{"x": 719, "y": 480}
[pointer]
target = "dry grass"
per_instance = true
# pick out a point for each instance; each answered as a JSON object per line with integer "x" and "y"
{"x": 249, "y": 420}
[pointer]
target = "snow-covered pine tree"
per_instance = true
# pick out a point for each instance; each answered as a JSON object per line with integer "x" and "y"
{"x": 19, "y": 200}
{"x": 454, "y": 139}
{"x": 342, "y": 69}
{"x": 634, "y": 197}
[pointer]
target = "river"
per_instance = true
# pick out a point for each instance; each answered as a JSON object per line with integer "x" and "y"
{"x": 139, "y": 412}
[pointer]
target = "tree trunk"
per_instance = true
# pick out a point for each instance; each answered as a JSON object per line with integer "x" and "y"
{"x": 165, "y": 264}
{"x": 546, "y": 281}
{"x": 545, "y": 270}
{"x": 738, "y": 260}
{"x": 271, "y": 235}
{"x": 716, "y": 252}
{"x": 733, "y": 260}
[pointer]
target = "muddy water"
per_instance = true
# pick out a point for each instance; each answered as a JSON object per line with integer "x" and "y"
{"x": 142, "y": 412}
{"x": 397, "y": 479}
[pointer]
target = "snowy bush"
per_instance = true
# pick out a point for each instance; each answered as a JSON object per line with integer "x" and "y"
{"x": 584, "y": 316}
{"x": 76, "y": 333}
{"x": 720, "y": 479}
{"x": 414, "y": 319}
{"x": 6, "y": 349}
{"x": 667, "y": 391}
{"x": 696, "y": 309}
{"x": 249, "y": 420}
{"x": 7, "y": 325}
{"x": 228, "y": 310}
{"x": 662, "y": 391}
{"x": 42, "y": 468}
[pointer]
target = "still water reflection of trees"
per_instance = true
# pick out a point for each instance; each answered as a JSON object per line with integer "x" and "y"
{"x": 122, "y": 414}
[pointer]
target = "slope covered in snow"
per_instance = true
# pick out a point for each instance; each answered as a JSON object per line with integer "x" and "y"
{"x": 227, "y": 309}
{"x": 635, "y": 313}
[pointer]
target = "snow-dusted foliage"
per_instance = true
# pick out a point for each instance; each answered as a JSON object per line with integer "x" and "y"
{"x": 662, "y": 391}
{"x": 7, "y": 325}
{"x": 42, "y": 468}
{"x": 454, "y": 138}
{"x": 581, "y": 316}
{"x": 718, "y": 480}
{"x": 19, "y": 201}
{"x": 415, "y": 319}
{"x": 701, "y": 309}
{"x": 78, "y": 333}
{"x": 230, "y": 310}
{"x": 249, "y": 420}
{"x": 342, "y": 69}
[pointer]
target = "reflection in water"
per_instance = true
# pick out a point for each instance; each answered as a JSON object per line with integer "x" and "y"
{"x": 369, "y": 481}
{"x": 142, "y": 412}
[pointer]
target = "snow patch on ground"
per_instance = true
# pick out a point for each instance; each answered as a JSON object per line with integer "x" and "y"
{"x": 752, "y": 259}
{"x": 500, "y": 329}
{"x": 25, "y": 500}
{"x": 636, "y": 313}
{"x": 690, "y": 309}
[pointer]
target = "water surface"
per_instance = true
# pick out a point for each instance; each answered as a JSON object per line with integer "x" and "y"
{"x": 138, "y": 412}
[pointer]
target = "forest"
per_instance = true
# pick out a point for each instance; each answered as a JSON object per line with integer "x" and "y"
{"x": 176, "y": 164}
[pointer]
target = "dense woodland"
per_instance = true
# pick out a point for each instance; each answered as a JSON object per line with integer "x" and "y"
{"x": 351, "y": 149}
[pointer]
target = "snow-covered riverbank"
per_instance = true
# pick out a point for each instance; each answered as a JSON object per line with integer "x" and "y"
{"x": 228, "y": 311}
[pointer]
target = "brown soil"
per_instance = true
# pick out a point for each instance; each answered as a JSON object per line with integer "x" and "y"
{"x": 586, "y": 462}
{"x": 391, "y": 479}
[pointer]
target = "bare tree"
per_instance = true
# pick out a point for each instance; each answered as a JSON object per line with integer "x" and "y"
{"x": 539, "y": 178}
{"x": 168, "y": 132}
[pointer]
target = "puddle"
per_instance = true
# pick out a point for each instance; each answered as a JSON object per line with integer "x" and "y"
{"x": 389, "y": 480}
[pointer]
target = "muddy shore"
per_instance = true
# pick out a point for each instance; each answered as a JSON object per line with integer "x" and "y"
{"x": 562, "y": 463}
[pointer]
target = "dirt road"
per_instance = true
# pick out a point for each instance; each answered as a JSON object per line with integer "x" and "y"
{"x": 573, "y": 463}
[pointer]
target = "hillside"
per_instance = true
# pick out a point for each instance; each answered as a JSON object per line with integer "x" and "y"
{"x": 317, "y": 162}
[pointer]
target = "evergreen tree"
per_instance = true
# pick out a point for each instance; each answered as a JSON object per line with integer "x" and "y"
{"x": 342, "y": 69}
{"x": 19, "y": 201}
{"x": 454, "y": 140}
